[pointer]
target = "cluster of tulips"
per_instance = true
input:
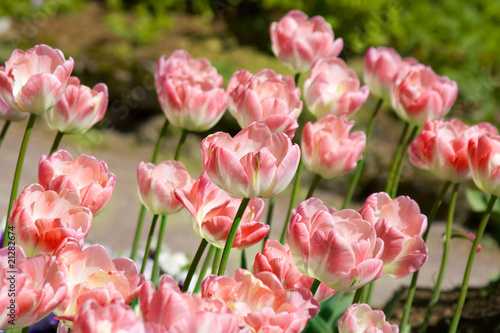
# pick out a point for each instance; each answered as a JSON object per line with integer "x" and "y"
{"x": 322, "y": 251}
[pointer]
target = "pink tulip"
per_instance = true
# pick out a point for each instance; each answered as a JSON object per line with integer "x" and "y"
{"x": 333, "y": 88}
{"x": 7, "y": 113}
{"x": 86, "y": 175}
{"x": 484, "y": 162}
{"x": 214, "y": 211}
{"x": 79, "y": 108}
{"x": 360, "y": 318}
{"x": 442, "y": 148}
{"x": 34, "y": 81}
{"x": 277, "y": 259}
{"x": 266, "y": 97}
{"x": 328, "y": 149}
{"x": 115, "y": 317}
{"x": 298, "y": 41}
{"x": 189, "y": 91}
{"x": 260, "y": 302}
{"x": 157, "y": 185}
{"x": 93, "y": 275}
{"x": 44, "y": 219}
{"x": 255, "y": 163}
{"x": 400, "y": 225}
{"x": 338, "y": 248}
{"x": 37, "y": 287}
{"x": 420, "y": 94}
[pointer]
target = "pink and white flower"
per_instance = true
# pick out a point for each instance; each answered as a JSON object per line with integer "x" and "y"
{"x": 484, "y": 162}
{"x": 360, "y": 318}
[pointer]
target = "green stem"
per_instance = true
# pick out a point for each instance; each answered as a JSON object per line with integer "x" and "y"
{"x": 295, "y": 191}
{"x": 269, "y": 219}
{"x": 17, "y": 174}
{"x": 243, "y": 263}
{"x": 148, "y": 244}
{"x": 468, "y": 269}
{"x": 204, "y": 268}
{"x": 4, "y": 131}
{"x": 369, "y": 292}
{"x": 194, "y": 264}
{"x": 297, "y": 78}
{"x": 313, "y": 186}
{"x": 57, "y": 141}
{"x": 216, "y": 262}
{"x": 315, "y": 286}
{"x": 401, "y": 162}
{"x": 397, "y": 155}
{"x": 156, "y": 266}
{"x": 142, "y": 214}
{"x": 444, "y": 261}
{"x": 357, "y": 295}
{"x": 361, "y": 163}
{"x": 232, "y": 234}
{"x": 180, "y": 145}
{"x": 413, "y": 284}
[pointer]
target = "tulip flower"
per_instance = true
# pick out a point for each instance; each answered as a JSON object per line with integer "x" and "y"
{"x": 44, "y": 219}
{"x": 360, "y": 318}
{"x": 442, "y": 148}
{"x": 213, "y": 213}
{"x": 86, "y": 175}
{"x": 419, "y": 94}
{"x": 189, "y": 91}
{"x": 156, "y": 185}
{"x": 6, "y": 112}
{"x": 484, "y": 162}
{"x": 400, "y": 225}
{"x": 79, "y": 108}
{"x": 298, "y": 41}
{"x": 333, "y": 88}
{"x": 338, "y": 248}
{"x": 266, "y": 97}
{"x": 260, "y": 302}
{"x": 328, "y": 149}
{"x": 34, "y": 81}
{"x": 255, "y": 163}
{"x": 38, "y": 286}
{"x": 277, "y": 259}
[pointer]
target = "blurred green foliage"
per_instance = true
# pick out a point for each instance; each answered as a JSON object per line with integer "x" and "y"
{"x": 28, "y": 9}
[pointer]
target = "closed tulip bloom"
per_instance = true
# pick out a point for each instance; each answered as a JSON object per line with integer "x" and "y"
{"x": 484, "y": 162}
{"x": 40, "y": 286}
{"x": 93, "y": 275}
{"x": 79, "y": 108}
{"x": 266, "y": 97}
{"x": 86, "y": 175}
{"x": 114, "y": 317}
{"x": 34, "y": 81}
{"x": 213, "y": 213}
{"x": 338, "y": 248}
{"x": 360, "y": 318}
{"x": 44, "y": 219}
{"x": 157, "y": 184}
{"x": 255, "y": 163}
{"x": 7, "y": 113}
{"x": 400, "y": 225}
{"x": 333, "y": 88}
{"x": 189, "y": 91}
{"x": 328, "y": 148}
{"x": 277, "y": 259}
{"x": 441, "y": 148}
{"x": 420, "y": 94}
{"x": 298, "y": 41}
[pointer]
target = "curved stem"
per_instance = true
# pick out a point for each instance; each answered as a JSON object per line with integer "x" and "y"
{"x": 413, "y": 284}
{"x": 4, "y": 131}
{"x": 315, "y": 286}
{"x": 180, "y": 144}
{"x": 361, "y": 163}
{"x": 57, "y": 141}
{"x": 161, "y": 235}
{"x": 148, "y": 244}
{"x": 269, "y": 220}
{"x": 232, "y": 234}
{"x": 357, "y": 295}
{"x": 194, "y": 264}
{"x": 401, "y": 162}
{"x": 295, "y": 190}
{"x": 397, "y": 155}
{"x": 468, "y": 269}
{"x": 17, "y": 173}
{"x": 216, "y": 262}
{"x": 444, "y": 261}
{"x": 204, "y": 268}
{"x": 313, "y": 186}
{"x": 159, "y": 142}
